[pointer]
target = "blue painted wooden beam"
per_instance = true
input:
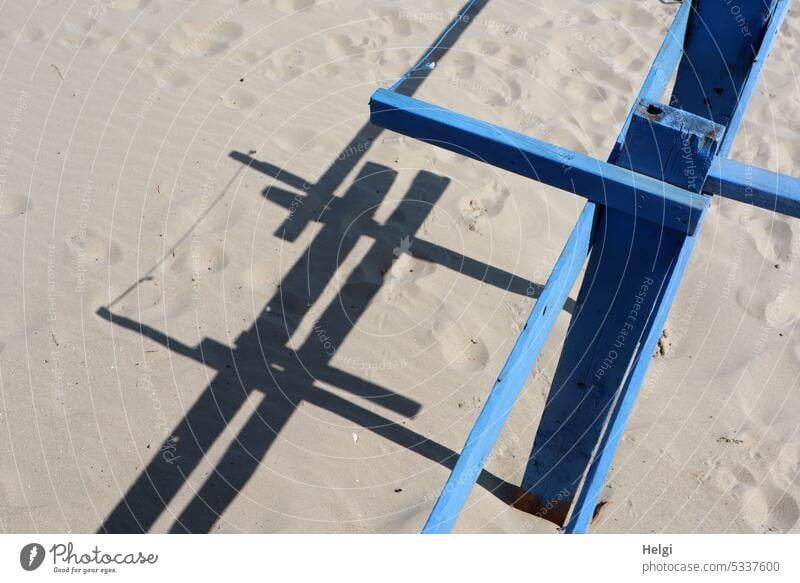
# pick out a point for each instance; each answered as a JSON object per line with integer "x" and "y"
{"x": 631, "y": 265}
{"x": 589, "y": 495}
{"x": 650, "y": 146}
{"x": 745, "y": 78}
{"x": 513, "y": 377}
{"x": 755, "y": 186}
{"x": 630, "y": 258}
{"x": 630, "y": 192}
{"x": 722, "y": 40}
{"x": 525, "y": 353}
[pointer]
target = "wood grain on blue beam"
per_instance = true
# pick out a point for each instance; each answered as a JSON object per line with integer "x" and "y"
{"x": 598, "y": 181}
{"x": 708, "y": 92}
{"x": 664, "y": 141}
{"x": 718, "y": 54}
{"x": 631, "y": 264}
{"x": 755, "y": 186}
{"x": 595, "y": 478}
{"x": 512, "y": 378}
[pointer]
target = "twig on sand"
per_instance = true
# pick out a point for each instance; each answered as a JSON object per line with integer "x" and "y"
{"x": 57, "y": 70}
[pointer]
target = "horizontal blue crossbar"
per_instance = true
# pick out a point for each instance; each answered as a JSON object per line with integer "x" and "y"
{"x": 755, "y": 186}
{"x": 598, "y": 181}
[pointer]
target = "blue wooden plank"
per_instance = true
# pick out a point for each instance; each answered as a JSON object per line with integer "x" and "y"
{"x": 596, "y": 474}
{"x": 650, "y": 146}
{"x": 755, "y": 186}
{"x": 631, "y": 265}
{"x": 512, "y": 378}
{"x": 721, "y": 44}
{"x": 600, "y": 182}
{"x": 462, "y": 479}
{"x": 617, "y": 274}
{"x": 589, "y": 496}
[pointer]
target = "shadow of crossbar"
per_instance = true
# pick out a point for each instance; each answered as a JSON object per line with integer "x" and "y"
{"x": 260, "y": 360}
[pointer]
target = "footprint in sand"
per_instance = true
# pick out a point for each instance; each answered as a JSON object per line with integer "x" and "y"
{"x": 201, "y": 258}
{"x": 246, "y": 57}
{"x": 640, "y": 18}
{"x": 328, "y": 70}
{"x": 128, "y": 5}
{"x": 763, "y": 506}
{"x": 458, "y": 348}
{"x": 239, "y": 99}
{"x": 493, "y": 197}
{"x": 293, "y": 5}
{"x": 589, "y": 17}
{"x": 513, "y": 56}
{"x": 784, "y": 310}
{"x": 295, "y": 140}
{"x": 407, "y": 269}
{"x": 773, "y": 238}
{"x": 578, "y": 86}
{"x": 343, "y": 45}
{"x": 285, "y": 65}
{"x": 174, "y": 79}
{"x": 85, "y": 32}
{"x": 778, "y": 307}
{"x": 488, "y": 48}
{"x": 463, "y": 66}
{"x": 768, "y": 508}
{"x": 504, "y": 92}
{"x": 32, "y": 35}
{"x": 568, "y": 134}
{"x": 473, "y": 212}
{"x": 90, "y": 248}
{"x": 13, "y": 205}
{"x": 139, "y": 40}
{"x": 207, "y": 38}
{"x": 391, "y": 20}
{"x": 783, "y": 107}
{"x": 476, "y": 209}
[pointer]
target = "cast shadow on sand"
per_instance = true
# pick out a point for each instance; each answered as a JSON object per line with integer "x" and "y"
{"x": 261, "y": 360}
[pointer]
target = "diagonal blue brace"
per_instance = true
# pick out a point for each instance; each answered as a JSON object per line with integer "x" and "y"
{"x": 646, "y": 206}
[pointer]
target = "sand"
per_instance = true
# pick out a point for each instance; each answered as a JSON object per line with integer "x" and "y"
{"x": 196, "y": 223}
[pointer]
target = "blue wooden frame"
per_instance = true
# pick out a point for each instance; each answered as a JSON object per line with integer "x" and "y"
{"x": 598, "y": 181}
{"x": 638, "y": 233}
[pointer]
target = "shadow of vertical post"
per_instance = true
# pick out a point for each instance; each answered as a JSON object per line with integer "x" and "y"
{"x": 261, "y": 360}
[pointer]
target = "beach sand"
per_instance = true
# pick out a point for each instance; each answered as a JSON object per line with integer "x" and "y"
{"x": 197, "y": 223}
